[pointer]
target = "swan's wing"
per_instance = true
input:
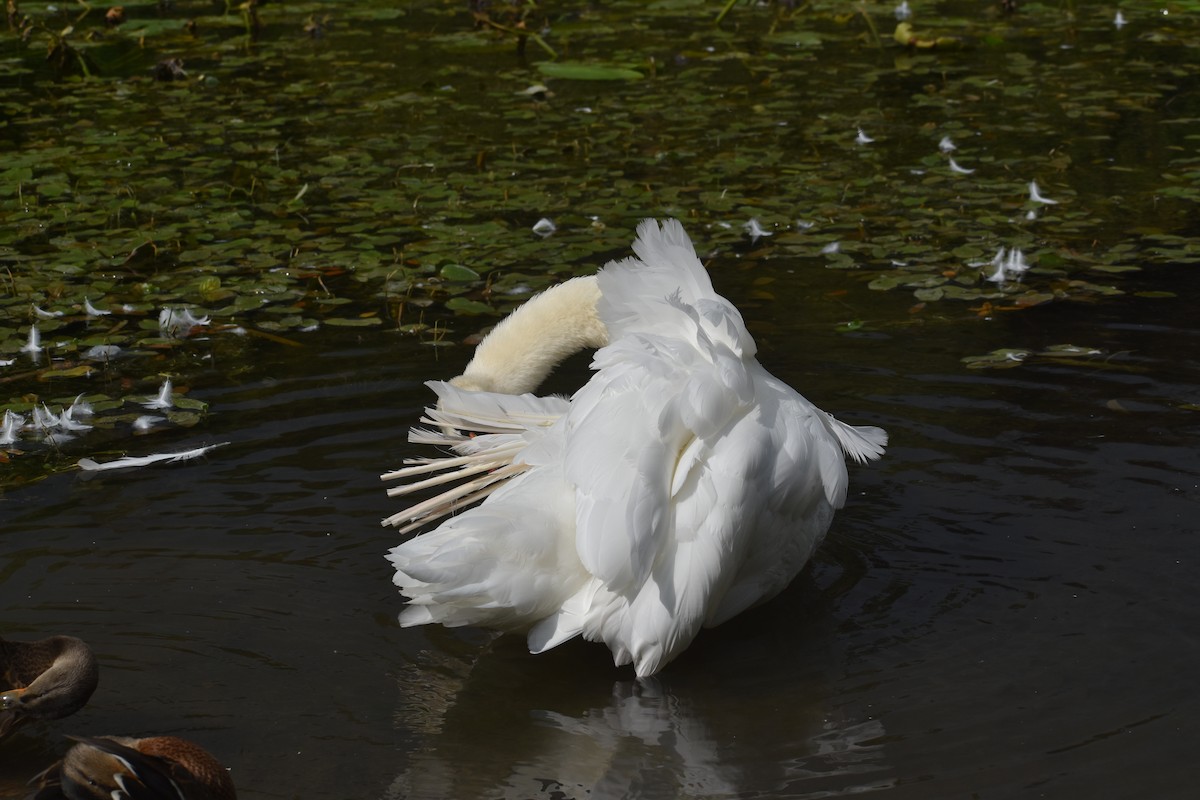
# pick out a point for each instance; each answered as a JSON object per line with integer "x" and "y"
{"x": 719, "y": 486}
{"x": 629, "y": 444}
{"x": 618, "y": 462}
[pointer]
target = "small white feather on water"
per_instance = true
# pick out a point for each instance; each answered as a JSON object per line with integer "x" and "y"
{"x": 1035, "y": 195}
{"x": 163, "y": 400}
{"x": 11, "y": 425}
{"x": 755, "y": 230}
{"x": 1008, "y": 264}
{"x": 92, "y": 311}
{"x": 178, "y": 323}
{"x": 88, "y": 465}
{"x": 44, "y": 419}
{"x": 34, "y": 343}
{"x": 146, "y": 421}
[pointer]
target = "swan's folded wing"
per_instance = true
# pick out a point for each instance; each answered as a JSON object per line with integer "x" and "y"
{"x": 618, "y": 466}
{"x": 629, "y": 447}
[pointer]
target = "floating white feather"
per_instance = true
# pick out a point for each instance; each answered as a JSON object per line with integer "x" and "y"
{"x": 754, "y": 230}
{"x": 178, "y": 323}
{"x": 163, "y": 398}
{"x": 11, "y": 427}
{"x": 34, "y": 343}
{"x": 92, "y": 311}
{"x": 88, "y": 465}
{"x": 1035, "y": 195}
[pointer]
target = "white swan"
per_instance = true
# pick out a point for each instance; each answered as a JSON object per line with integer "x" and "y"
{"x": 680, "y": 486}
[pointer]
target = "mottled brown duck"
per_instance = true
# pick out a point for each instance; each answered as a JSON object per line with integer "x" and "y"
{"x": 47, "y": 679}
{"x": 122, "y": 768}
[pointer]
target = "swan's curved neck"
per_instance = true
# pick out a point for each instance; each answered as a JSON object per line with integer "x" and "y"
{"x": 528, "y": 344}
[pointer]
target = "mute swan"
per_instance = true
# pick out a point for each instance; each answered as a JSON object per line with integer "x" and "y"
{"x": 47, "y": 679}
{"x": 165, "y": 767}
{"x": 680, "y": 486}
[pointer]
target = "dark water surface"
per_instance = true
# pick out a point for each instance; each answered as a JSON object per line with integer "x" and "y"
{"x": 1005, "y": 607}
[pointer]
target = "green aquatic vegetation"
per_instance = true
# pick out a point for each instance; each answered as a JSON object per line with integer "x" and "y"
{"x": 371, "y": 165}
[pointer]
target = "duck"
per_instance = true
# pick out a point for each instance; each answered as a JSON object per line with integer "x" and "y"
{"x": 126, "y": 768}
{"x": 681, "y": 485}
{"x": 46, "y": 679}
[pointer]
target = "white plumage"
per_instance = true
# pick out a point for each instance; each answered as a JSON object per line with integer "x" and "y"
{"x": 680, "y": 486}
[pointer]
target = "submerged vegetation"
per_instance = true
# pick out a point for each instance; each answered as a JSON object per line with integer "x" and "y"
{"x": 273, "y": 170}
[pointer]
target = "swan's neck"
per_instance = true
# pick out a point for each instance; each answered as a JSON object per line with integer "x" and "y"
{"x": 528, "y": 344}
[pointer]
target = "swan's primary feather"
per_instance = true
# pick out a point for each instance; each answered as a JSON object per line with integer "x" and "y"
{"x": 680, "y": 486}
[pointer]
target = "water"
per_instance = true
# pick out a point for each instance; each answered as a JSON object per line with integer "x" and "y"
{"x": 1004, "y": 607}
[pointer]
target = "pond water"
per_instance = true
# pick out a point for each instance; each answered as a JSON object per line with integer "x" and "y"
{"x": 1002, "y": 609}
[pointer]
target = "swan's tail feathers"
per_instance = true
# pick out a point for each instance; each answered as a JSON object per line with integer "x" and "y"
{"x": 495, "y": 474}
{"x": 861, "y": 443}
{"x": 485, "y": 461}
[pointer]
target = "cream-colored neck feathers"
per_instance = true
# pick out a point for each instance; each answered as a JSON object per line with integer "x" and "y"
{"x": 530, "y": 342}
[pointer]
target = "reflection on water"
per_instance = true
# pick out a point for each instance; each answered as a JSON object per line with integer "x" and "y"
{"x": 653, "y": 738}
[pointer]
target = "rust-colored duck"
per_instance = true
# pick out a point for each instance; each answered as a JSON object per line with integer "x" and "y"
{"x": 47, "y": 679}
{"x": 154, "y": 768}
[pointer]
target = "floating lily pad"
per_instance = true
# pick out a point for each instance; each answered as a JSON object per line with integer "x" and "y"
{"x": 581, "y": 71}
{"x": 457, "y": 272}
{"x": 1004, "y": 358}
{"x": 462, "y": 305}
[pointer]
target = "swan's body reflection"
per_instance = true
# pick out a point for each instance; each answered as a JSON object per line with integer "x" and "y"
{"x": 749, "y": 722}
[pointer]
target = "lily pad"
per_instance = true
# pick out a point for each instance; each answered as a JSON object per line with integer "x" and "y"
{"x": 463, "y": 305}
{"x": 587, "y": 71}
